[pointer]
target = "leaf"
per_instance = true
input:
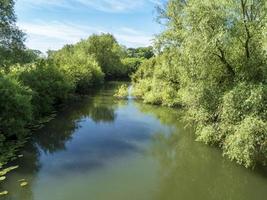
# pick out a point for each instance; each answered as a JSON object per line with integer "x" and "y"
{"x": 3, "y": 193}
{"x": 5, "y": 171}
{"x": 2, "y": 178}
{"x": 23, "y": 184}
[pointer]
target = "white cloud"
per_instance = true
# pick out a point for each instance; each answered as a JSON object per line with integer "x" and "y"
{"x": 53, "y": 35}
{"x": 113, "y": 5}
{"x": 101, "y": 5}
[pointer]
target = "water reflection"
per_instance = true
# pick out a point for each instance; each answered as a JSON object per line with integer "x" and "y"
{"x": 30, "y": 169}
{"x": 55, "y": 135}
{"x": 101, "y": 148}
{"x": 54, "y": 138}
{"x": 190, "y": 170}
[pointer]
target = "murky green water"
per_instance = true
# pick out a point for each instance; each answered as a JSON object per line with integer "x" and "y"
{"x": 104, "y": 149}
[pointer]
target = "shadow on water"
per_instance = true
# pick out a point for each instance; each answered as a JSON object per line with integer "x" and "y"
{"x": 49, "y": 145}
{"x": 101, "y": 148}
{"x": 190, "y": 170}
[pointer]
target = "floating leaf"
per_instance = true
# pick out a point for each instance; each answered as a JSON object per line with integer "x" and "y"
{"x": 5, "y": 171}
{"x": 3, "y": 193}
{"x": 2, "y": 178}
{"x": 20, "y": 156}
{"x": 23, "y": 184}
{"x": 22, "y": 180}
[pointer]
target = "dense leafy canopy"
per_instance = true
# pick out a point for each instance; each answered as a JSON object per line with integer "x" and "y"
{"x": 107, "y": 52}
{"x": 15, "y": 106}
{"x": 213, "y": 62}
{"x": 100, "y": 53}
{"x": 48, "y": 84}
{"x": 11, "y": 38}
{"x": 31, "y": 86}
{"x": 81, "y": 69}
{"x": 141, "y": 52}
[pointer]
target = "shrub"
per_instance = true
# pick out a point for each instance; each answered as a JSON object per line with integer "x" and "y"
{"x": 48, "y": 84}
{"x": 15, "y": 108}
{"x": 81, "y": 69}
{"x": 122, "y": 92}
{"x": 247, "y": 145}
{"x": 105, "y": 49}
{"x": 130, "y": 66}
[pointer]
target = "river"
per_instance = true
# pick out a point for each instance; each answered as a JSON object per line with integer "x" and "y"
{"x": 101, "y": 148}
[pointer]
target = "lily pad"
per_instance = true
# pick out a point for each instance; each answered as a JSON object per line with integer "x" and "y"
{"x": 3, "y": 193}
{"x": 5, "y": 171}
{"x": 23, "y": 184}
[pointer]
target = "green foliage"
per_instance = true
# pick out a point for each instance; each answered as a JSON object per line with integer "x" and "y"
{"x": 106, "y": 51}
{"x": 130, "y": 65}
{"x": 81, "y": 69}
{"x": 212, "y": 60}
{"x": 247, "y": 144}
{"x": 11, "y": 38}
{"x": 122, "y": 92}
{"x": 156, "y": 83}
{"x": 100, "y": 55}
{"x": 48, "y": 84}
{"x": 15, "y": 108}
{"x": 141, "y": 52}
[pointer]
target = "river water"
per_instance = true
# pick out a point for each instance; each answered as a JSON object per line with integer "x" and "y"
{"x": 105, "y": 149}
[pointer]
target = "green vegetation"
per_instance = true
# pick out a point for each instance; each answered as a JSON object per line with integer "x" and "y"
{"x": 122, "y": 92}
{"x": 32, "y": 86}
{"x": 133, "y": 58}
{"x": 12, "y": 48}
{"x": 15, "y": 106}
{"x": 81, "y": 70}
{"x": 212, "y": 61}
{"x": 99, "y": 57}
{"x": 106, "y": 51}
{"x": 48, "y": 84}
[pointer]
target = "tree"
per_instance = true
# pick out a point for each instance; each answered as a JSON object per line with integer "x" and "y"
{"x": 81, "y": 69}
{"x": 11, "y": 38}
{"x": 215, "y": 65}
{"x": 107, "y": 52}
{"x": 141, "y": 52}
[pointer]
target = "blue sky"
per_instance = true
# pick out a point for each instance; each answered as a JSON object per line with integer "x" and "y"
{"x": 50, "y": 24}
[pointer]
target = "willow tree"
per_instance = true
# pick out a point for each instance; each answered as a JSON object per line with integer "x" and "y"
{"x": 218, "y": 56}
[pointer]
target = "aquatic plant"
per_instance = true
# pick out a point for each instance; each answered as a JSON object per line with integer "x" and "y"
{"x": 122, "y": 92}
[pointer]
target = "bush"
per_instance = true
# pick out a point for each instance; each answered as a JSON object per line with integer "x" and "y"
{"x": 105, "y": 49}
{"x": 244, "y": 100}
{"x": 48, "y": 84}
{"x": 247, "y": 145}
{"x": 122, "y": 92}
{"x": 155, "y": 83}
{"x": 15, "y": 108}
{"x": 130, "y": 66}
{"x": 81, "y": 69}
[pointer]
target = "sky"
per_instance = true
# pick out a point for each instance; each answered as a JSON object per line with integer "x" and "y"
{"x": 50, "y": 24}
